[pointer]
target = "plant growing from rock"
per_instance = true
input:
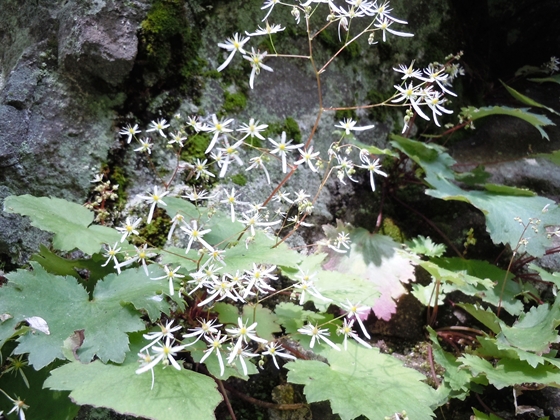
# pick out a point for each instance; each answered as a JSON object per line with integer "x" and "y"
{"x": 157, "y": 332}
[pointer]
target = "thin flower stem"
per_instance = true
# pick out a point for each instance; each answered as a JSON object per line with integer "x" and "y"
{"x": 226, "y": 399}
{"x": 343, "y": 47}
{"x": 432, "y": 366}
{"x": 261, "y": 403}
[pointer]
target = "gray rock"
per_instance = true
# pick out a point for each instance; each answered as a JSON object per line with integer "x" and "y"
{"x": 56, "y": 119}
{"x": 98, "y": 41}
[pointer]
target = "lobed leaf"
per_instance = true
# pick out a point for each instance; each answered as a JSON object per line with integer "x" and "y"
{"x": 66, "y": 307}
{"x": 176, "y": 394}
{"x": 71, "y": 223}
{"x": 368, "y": 384}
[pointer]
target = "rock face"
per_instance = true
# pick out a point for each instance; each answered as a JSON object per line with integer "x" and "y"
{"x": 60, "y": 66}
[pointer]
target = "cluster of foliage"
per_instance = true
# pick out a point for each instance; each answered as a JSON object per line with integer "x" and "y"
{"x": 156, "y": 332}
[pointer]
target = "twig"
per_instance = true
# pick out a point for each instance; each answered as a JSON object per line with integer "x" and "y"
{"x": 264, "y": 404}
{"x": 226, "y": 399}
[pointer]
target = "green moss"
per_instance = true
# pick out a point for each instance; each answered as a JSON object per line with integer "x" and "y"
{"x": 345, "y": 113}
{"x": 234, "y": 102}
{"x": 239, "y": 179}
{"x": 289, "y": 125}
{"x": 380, "y": 113}
{"x": 195, "y": 147}
{"x": 118, "y": 176}
{"x": 156, "y": 232}
{"x": 168, "y": 48}
{"x": 389, "y": 228}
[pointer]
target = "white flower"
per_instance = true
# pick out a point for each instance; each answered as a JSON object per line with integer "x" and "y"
{"x": 307, "y": 157}
{"x": 163, "y": 353}
{"x": 206, "y": 328}
{"x": 145, "y": 146}
{"x": 200, "y": 169}
{"x": 230, "y": 153}
{"x": 372, "y": 167}
{"x": 356, "y": 311}
{"x": 256, "y": 60}
{"x": 348, "y": 124}
{"x": 257, "y": 162}
{"x": 195, "y": 235}
{"x": 434, "y": 101}
{"x": 154, "y": 199}
{"x": 232, "y": 44}
{"x": 171, "y": 275}
{"x": 269, "y": 4}
{"x": 129, "y": 228}
{"x": 165, "y": 332}
{"x": 252, "y": 220}
{"x": 317, "y": 334}
{"x": 347, "y": 330}
{"x": 219, "y": 290}
{"x": 241, "y": 354}
{"x": 158, "y": 126}
{"x": 111, "y": 254}
{"x": 409, "y": 72}
{"x": 231, "y": 199}
{"x": 252, "y": 129}
{"x": 129, "y": 131}
{"x": 215, "y": 344}
{"x": 305, "y": 284}
{"x": 257, "y": 278}
{"x": 178, "y": 218}
{"x": 218, "y": 127}
{"x": 384, "y": 25}
{"x": 142, "y": 255}
{"x": 273, "y": 350}
{"x": 244, "y": 333}
{"x": 282, "y": 148}
{"x": 438, "y": 76}
{"x": 18, "y": 407}
{"x": 177, "y": 138}
{"x": 145, "y": 360}
{"x": 412, "y": 94}
{"x": 267, "y": 30}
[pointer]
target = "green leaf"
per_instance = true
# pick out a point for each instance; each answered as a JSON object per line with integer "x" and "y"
{"x": 175, "y": 392}
{"x": 133, "y": 286}
{"x": 259, "y": 251}
{"x": 553, "y": 157}
{"x": 292, "y": 317}
{"x": 509, "y": 372}
{"x": 267, "y": 320}
{"x": 227, "y": 313}
{"x": 479, "y": 415}
{"x": 425, "y": 246}
{"x": 553, "y": 278}
{"x": 502, "y": 206}
{"x": 188, "y": 210}
{"x": 66, "y": 308}
{"x": 480, "y": 279}
{"x": 554, "y": 79}
{"x": 70, "y": 222}
{"x": 485, "y": 316}
{"x": 536, "y": 120}
{"x": 475, "y": 177}
{"x": 525, "y": 99}
{"x": 535, "y": 330}
{"x": 360, "y": 375}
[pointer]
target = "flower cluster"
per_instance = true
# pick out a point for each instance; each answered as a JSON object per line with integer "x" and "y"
{"x": 425, "y": 88}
